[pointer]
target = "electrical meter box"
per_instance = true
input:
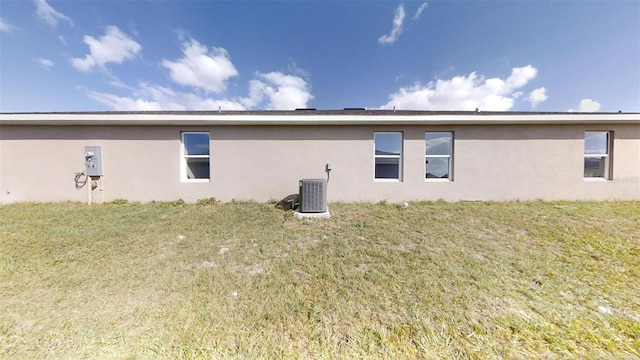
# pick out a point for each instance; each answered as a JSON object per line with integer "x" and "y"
{"x": 93, "y": 160}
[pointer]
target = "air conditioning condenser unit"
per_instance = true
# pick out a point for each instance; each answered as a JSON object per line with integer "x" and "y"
{"x": 313, "y": 196}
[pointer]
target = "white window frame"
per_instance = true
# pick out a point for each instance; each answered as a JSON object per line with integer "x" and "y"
{"x": 399, "y": 157}
{"x": 608, "y": 168}
{"x": 449, "y": 156}
{"x": 184, "y": 157}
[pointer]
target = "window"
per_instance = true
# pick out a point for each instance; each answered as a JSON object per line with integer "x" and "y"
{"x": 388, "y": 155}
{"x": 195, "y": 156}
{"x": 438, "y": 155}
{"x": 597, "y": 154}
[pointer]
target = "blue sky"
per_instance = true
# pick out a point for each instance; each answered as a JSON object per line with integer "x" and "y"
{"x": 245, "y": 55}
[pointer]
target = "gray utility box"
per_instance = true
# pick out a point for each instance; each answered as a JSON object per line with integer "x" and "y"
{"x": 93, "y": 160}
{"x": 313, "y": 196}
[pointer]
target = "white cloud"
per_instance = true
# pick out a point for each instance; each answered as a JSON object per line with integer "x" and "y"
{"x": 113, "y": 47}
{"x": 49, "y": 14}
{"x": 396, "y": 30}
{"x": 587, "y": 105}
{"x": 5, "y": 27}
{"x": 207, "y": 70}
{"x": 203, "y": 68}
{"x": 284, "y": 92}
{"x": 119, "y": 103}
{"x": 422, "y": 8}
{"x": 154, "y": 97}
{"x": 537, "y": 96}
{"x": 119, "y": 84}
{"x": 463, "y": 93}
{"x": 46, "y": 63}
{"x": 271, "y": 91}
{"x": 521, "y": 76}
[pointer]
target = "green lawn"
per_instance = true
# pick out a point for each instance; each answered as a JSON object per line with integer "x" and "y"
{"x": 245, "y": 280}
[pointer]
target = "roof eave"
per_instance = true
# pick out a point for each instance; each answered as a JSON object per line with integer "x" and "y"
{"x": 314, "y": 118}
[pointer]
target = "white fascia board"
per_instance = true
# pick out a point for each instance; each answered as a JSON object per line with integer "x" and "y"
{"x": 142, "y": 119}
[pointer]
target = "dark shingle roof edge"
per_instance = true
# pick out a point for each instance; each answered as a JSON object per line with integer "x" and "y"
{"x": 347, "y": 111}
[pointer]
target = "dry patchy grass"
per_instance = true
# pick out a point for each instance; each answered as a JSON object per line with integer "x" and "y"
{"x": 245, "y": 280}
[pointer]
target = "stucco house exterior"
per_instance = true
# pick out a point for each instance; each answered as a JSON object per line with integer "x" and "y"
{"x": 366, "y": 155}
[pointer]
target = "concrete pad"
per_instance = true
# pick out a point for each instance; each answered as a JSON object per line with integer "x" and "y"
{"x": 322, "y": 215}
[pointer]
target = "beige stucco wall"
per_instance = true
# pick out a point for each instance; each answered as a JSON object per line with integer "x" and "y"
{"x": 142, "y": 163}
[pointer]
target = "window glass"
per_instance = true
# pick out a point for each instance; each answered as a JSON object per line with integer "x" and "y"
{"x": 597, "y": 157}
{"x": 387, "y": 168}
{"x": 438, "y": 155}
{"x": 195, "y": 159}
{"x": 197, "y": 168}
{"x": 388, "y": 155}
{"x": 388, "y": 143}
{"x": 438, "y": 143}
{"x": 596, "y": 142}
{"x": 595, "y": 167}
{"x": 196, "y": 143}
{"x": 437, "y": 168}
